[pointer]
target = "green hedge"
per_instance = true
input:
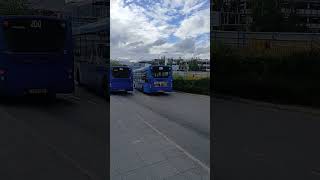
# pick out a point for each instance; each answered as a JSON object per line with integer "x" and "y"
{"x": 201, "y": 86}
{"x": 291, "y": 79}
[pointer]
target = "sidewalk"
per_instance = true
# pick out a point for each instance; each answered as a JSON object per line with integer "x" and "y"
{"x": 264, "y": 104}
{"x": 140, "y": 152}
{"x": 26, "y": 155}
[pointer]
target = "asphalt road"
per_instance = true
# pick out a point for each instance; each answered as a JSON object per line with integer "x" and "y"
{"x": 254, "y": 142}
{"x": 61, "y": 139}
{"x": 185, "y": 118}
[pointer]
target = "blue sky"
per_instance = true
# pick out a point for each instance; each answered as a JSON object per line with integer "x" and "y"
{"x": 145, "y": 29}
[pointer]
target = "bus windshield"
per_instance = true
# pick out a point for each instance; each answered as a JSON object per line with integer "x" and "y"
{"x": 120, "y": 72}
{"x": 26, "y": 35}
{"x": 160, "y": 72}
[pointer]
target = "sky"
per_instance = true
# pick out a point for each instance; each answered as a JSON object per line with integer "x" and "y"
{"x": 147, "y": 29}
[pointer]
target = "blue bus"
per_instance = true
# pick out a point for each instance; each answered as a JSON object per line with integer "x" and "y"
{"x": 91, "y": 56}
{"x": 36, "y": 56}
{"x": 121, "y": 79}
{"x": 153, "y": 79}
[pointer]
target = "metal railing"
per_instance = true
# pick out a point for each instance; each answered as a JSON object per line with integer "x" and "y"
{"x": 274, "y": 42}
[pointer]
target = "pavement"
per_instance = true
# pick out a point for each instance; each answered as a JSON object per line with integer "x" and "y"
{"x": 62, "y": 139}
{"x": 143, "y": 146}
{"x": 262, "y": 141}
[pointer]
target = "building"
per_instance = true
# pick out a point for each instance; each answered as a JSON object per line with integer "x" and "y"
{"x": 204, "y": 65}
{"x": 236, "y": 15}
{"x": 86, "y": 11}
{"x": 179, "y": 64}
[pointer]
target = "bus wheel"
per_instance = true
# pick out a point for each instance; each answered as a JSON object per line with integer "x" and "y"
{"x": 51, "y": 97}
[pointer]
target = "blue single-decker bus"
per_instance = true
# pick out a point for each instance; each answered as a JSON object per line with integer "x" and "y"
{"x": 121, "y": 79}
{"x": 36, "y": 56}
{"x": 153, "y": 79}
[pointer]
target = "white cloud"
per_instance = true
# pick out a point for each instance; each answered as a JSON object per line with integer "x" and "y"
{"x": 142, "y": 33}
{"x": 195, "y": 25}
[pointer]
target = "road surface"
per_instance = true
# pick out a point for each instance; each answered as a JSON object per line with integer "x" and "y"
{"x": 67, "y": 138}
{"x": 62, "y": 139}
{"x": 262, "y": 142}
{"x": 185, "y": 118}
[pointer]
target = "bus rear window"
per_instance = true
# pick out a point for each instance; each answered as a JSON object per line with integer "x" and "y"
{"x": 160, "y": 72}
{"x": 25, "y": 35}
{"x": 119, "y": 72}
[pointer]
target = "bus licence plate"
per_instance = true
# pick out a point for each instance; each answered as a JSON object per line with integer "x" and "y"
{"x": 38, "y": 91}
{"x": 160, "y": 84}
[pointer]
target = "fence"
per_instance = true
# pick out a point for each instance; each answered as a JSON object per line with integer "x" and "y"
{"x": 268, "y": 42}
{"x": 191, "y": 75}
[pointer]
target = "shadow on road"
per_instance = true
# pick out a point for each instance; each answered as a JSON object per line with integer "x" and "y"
{"x": 121, "y": 94}
{"x": 159, "y": 94}
{"x": 35, "y": 101}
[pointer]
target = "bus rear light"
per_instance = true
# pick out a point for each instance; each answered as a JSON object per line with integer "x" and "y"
{"x": 2, "y": 72}
{"x": 6, "y": 24}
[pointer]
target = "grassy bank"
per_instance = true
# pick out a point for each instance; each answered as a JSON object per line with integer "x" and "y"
{"x": 292, "y": 79}
{"x": 200, "y": 86}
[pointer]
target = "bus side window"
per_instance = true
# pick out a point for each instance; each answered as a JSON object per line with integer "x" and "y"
{"x": 145, "y": 77}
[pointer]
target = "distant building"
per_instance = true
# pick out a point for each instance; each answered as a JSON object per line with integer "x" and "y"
{"x": 236, "y": 15}
{"x": 182, "y": 64}
{"x": 204, "y": 64}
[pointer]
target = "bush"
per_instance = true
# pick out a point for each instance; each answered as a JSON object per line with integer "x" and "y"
{"x": 201, "y": 86}
{"x": 288, "y": 79}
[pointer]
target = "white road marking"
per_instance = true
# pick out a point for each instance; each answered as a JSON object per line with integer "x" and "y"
{"x": 175, "y": 144}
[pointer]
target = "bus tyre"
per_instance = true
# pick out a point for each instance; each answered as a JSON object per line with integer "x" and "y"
{"x": 51, "y": 96}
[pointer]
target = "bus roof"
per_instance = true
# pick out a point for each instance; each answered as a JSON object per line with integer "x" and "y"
{"x": 95, "y": 27}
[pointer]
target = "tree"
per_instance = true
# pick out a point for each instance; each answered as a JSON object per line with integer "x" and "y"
{"x": 214, "y": 4}
{"x": 267, "y": 15}
{"x": 115, "y": 63}
{"x": 193, "y": 65}
{"x": 293, "y": 23}
{"x": 13, "y": 7}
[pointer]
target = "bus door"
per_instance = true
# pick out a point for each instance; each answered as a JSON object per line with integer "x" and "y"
{"x": 100, "y": 61}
